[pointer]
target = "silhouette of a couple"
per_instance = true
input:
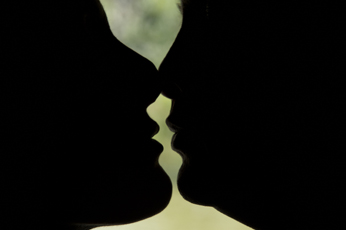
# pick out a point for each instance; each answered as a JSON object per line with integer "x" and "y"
{"x": 258, "y": 111}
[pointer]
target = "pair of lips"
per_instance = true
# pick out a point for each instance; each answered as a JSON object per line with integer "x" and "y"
{"x": 186, "y": 141}
{"x": 152, "y": 145}
{"x": 176, "y": 144}
{"x": 181, "y": 143}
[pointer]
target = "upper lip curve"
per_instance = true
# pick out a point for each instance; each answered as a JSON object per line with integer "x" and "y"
{"x": 150, "y": 97}
{"x": 156, "y": 129}
{"x": 173, "y": 127}
{"x": 147, "y": 127}
{"x": 174, "y": 147}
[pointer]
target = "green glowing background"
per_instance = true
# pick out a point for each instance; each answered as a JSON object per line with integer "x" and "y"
{"x": 149, "y": 27}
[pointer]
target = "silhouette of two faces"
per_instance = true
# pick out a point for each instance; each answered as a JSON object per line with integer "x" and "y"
{"x": 258, "y": 110}
{"x": 258, "y": 107}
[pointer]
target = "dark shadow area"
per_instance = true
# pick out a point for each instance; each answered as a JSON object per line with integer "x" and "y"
{"x": 259, "y": 111}
{"x": 71, "y": 96}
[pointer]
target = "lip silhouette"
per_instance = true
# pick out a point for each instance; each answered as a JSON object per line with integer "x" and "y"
{"x": 181, "y": 143}
{"x": 149, "y": 129}
{"x": 154, "y": 147}
{"x": 176, "y": 143}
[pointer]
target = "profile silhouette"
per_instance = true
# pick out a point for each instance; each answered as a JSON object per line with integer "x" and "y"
{"x": 258, "y": 110}
{"x": 76, "y": 147}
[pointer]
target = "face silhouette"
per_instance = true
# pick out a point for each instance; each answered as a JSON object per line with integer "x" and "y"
{"x": 255, "y": 120}
{"x": 77, "y": 143}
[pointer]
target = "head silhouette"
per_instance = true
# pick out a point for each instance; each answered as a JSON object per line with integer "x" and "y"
{"x": 76, "y": 145}
{"x": 258, "y": 107}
